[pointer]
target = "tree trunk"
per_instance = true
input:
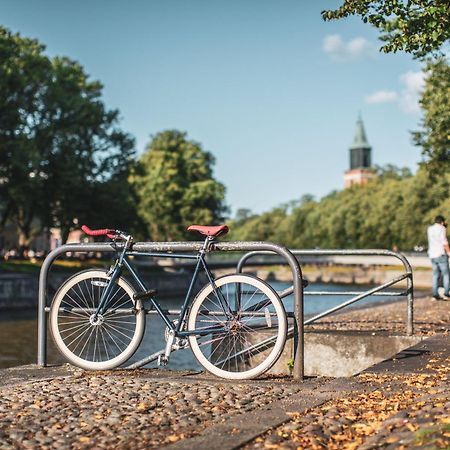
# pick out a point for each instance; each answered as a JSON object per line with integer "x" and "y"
{"x": 65, "y": 231}
{"x": 25, "y": 230}
{"x": 24, "y": 241}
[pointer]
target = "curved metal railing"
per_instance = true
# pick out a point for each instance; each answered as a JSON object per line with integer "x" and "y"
{"x": 407, "y": 275}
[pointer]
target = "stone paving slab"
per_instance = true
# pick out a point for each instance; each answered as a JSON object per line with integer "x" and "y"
{"x": 33, "y": 372}
{"x": 240, "y": 430}
{"x": 415, "y": 359}
{"x": 396, "y": 406}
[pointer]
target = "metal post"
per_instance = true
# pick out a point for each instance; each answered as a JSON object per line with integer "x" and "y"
{"x": 42, "y": 293}
{"x": 410, "y": 306}
{"x": 299, "y": 343}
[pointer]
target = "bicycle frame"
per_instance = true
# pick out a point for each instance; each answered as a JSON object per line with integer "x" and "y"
{"x": 123, "y": 262}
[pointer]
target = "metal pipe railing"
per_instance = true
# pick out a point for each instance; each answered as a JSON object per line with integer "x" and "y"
{"x": 409, "y": 293}
{"x": 298, "y": 371}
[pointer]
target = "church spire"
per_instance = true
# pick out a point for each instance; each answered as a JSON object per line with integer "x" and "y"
{"x": 360, "y": 171}
{"x": 360, "y": 139}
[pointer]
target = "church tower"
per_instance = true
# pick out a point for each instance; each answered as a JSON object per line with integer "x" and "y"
{"x": 360, "y": 171}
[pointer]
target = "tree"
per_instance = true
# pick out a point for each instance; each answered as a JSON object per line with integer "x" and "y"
{"x": 22, "y": 65}
{"x": 58, "y": 141}
{"x": 391, "y": 210}
{"x": 434, "y": 138}
{"x": 392, "y": 171}
{"x": 419, "y": 27}
{"x": 242, "y": 215}
{"x": 175, "y": 186}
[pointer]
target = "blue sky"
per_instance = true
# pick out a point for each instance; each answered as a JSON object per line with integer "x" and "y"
{"x": 266, "y": 86}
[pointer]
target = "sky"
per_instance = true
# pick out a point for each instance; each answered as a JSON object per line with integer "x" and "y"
{"x": 267, "y": 86}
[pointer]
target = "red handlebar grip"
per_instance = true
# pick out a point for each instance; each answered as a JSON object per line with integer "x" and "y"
{"x": 102, "y": 232}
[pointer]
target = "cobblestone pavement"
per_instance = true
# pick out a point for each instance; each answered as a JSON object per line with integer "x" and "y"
{"x": 107, "y": 411}
{"x": 387, "y": 409}
{"x": 430, "y": 317}
{"x": 399, "y": 411}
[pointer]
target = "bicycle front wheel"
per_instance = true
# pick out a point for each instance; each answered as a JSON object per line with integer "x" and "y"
{"x": 90, "y": 341}
{"x": 241, "y": 325}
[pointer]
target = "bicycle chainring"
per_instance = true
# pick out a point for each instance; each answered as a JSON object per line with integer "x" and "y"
{"x": 178, "y": 343}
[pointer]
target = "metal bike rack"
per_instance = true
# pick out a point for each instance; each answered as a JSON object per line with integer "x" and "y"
{"x": 408, "y": 275}
{"x": 257, "y": 247}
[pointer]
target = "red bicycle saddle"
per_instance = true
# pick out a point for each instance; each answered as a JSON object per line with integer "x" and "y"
{"x": 215, "y": 231}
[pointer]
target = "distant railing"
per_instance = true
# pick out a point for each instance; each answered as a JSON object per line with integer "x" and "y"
{"x": 407, "y": 275}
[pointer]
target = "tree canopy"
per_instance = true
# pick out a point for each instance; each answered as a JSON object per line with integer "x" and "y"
{"x": 434, "y": 136}
{"x": 392, "y": 210}
{"x": 175, "y": 186}
{"x": 419, "y": 27}
{"x": 58, "y": 142}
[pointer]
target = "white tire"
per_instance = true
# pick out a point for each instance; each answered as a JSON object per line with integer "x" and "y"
{"x": 100, "y": 343}
{"x": 242, "y": 330}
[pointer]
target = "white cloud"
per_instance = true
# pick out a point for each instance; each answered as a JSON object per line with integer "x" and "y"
{"x": 413, "y": 84}
{"x": 381, "y": 97}
{"x": 408, "y": 95}
{"x": 338, "y": 49}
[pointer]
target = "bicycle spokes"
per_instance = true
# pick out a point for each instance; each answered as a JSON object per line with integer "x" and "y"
{"x": 242, "y": 340}
{"x": 86, "y": 335}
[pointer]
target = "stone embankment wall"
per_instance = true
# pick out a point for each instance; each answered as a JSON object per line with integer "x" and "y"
{"x": 19, "y": 290}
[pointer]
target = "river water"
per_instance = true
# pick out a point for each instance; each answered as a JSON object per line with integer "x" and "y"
{"x": 18, "y": 329}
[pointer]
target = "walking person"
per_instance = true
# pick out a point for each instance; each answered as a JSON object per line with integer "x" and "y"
{"x": 439, "y": 251}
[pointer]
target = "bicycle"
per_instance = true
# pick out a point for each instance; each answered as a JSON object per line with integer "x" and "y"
{"x": 236, "y": 325}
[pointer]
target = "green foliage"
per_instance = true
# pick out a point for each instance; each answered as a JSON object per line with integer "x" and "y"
{"x": 175, "y": 186}
{"x": 58, "y": 142}
{"x": 419, "y": 27}
{"x": 243, "y": 215}
{"x": 265, "y": 227}
{"x": 389, "y": 171}
{"x": 434, "y": 138}
{"x": 390, "y": 211}
{"x": 290, "y": 365}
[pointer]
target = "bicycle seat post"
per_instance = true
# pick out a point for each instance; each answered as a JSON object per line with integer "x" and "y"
{"x": 207, "y": 244}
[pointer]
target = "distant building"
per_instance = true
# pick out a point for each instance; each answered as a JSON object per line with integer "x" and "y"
{"x": 361, "y": 170}
{"x": 44, "y": 242}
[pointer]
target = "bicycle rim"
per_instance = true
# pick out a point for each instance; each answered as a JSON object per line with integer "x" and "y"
{"x": 242, "y": 324}
{"x": 96, "y": 342}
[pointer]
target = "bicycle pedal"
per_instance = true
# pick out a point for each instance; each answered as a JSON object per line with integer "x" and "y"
{"x": 145, "y": 294}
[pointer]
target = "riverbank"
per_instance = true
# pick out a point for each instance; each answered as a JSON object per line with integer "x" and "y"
{"x": 19, "y": 280}
{"x": 401, "y": 402}
{"x": 430, "y": 317}
{"x": 20, "y": 289}
{"x": 340, "y": 274}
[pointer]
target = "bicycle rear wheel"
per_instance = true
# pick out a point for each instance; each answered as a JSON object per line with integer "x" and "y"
{"x": 102, "y": 342}
{"x": 242, "y": 327}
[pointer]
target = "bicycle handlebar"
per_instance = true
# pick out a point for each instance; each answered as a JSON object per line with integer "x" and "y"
{"x": 112, "y": 234}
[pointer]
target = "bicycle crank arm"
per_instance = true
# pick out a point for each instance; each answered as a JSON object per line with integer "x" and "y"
{"x": 150, "y": 358}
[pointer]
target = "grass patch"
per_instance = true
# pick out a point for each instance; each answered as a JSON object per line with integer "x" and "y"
{"x": 68, "y": 266}
{"x": 437, "y": 435}
{"x": 33, "y": 267}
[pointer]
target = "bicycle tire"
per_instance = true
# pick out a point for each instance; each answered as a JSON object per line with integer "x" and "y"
{"x": 116, "y": 335}
{"x": 245, "y": 341}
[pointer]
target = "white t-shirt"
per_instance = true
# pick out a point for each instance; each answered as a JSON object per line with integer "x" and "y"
{"x": 436, "y": 240}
